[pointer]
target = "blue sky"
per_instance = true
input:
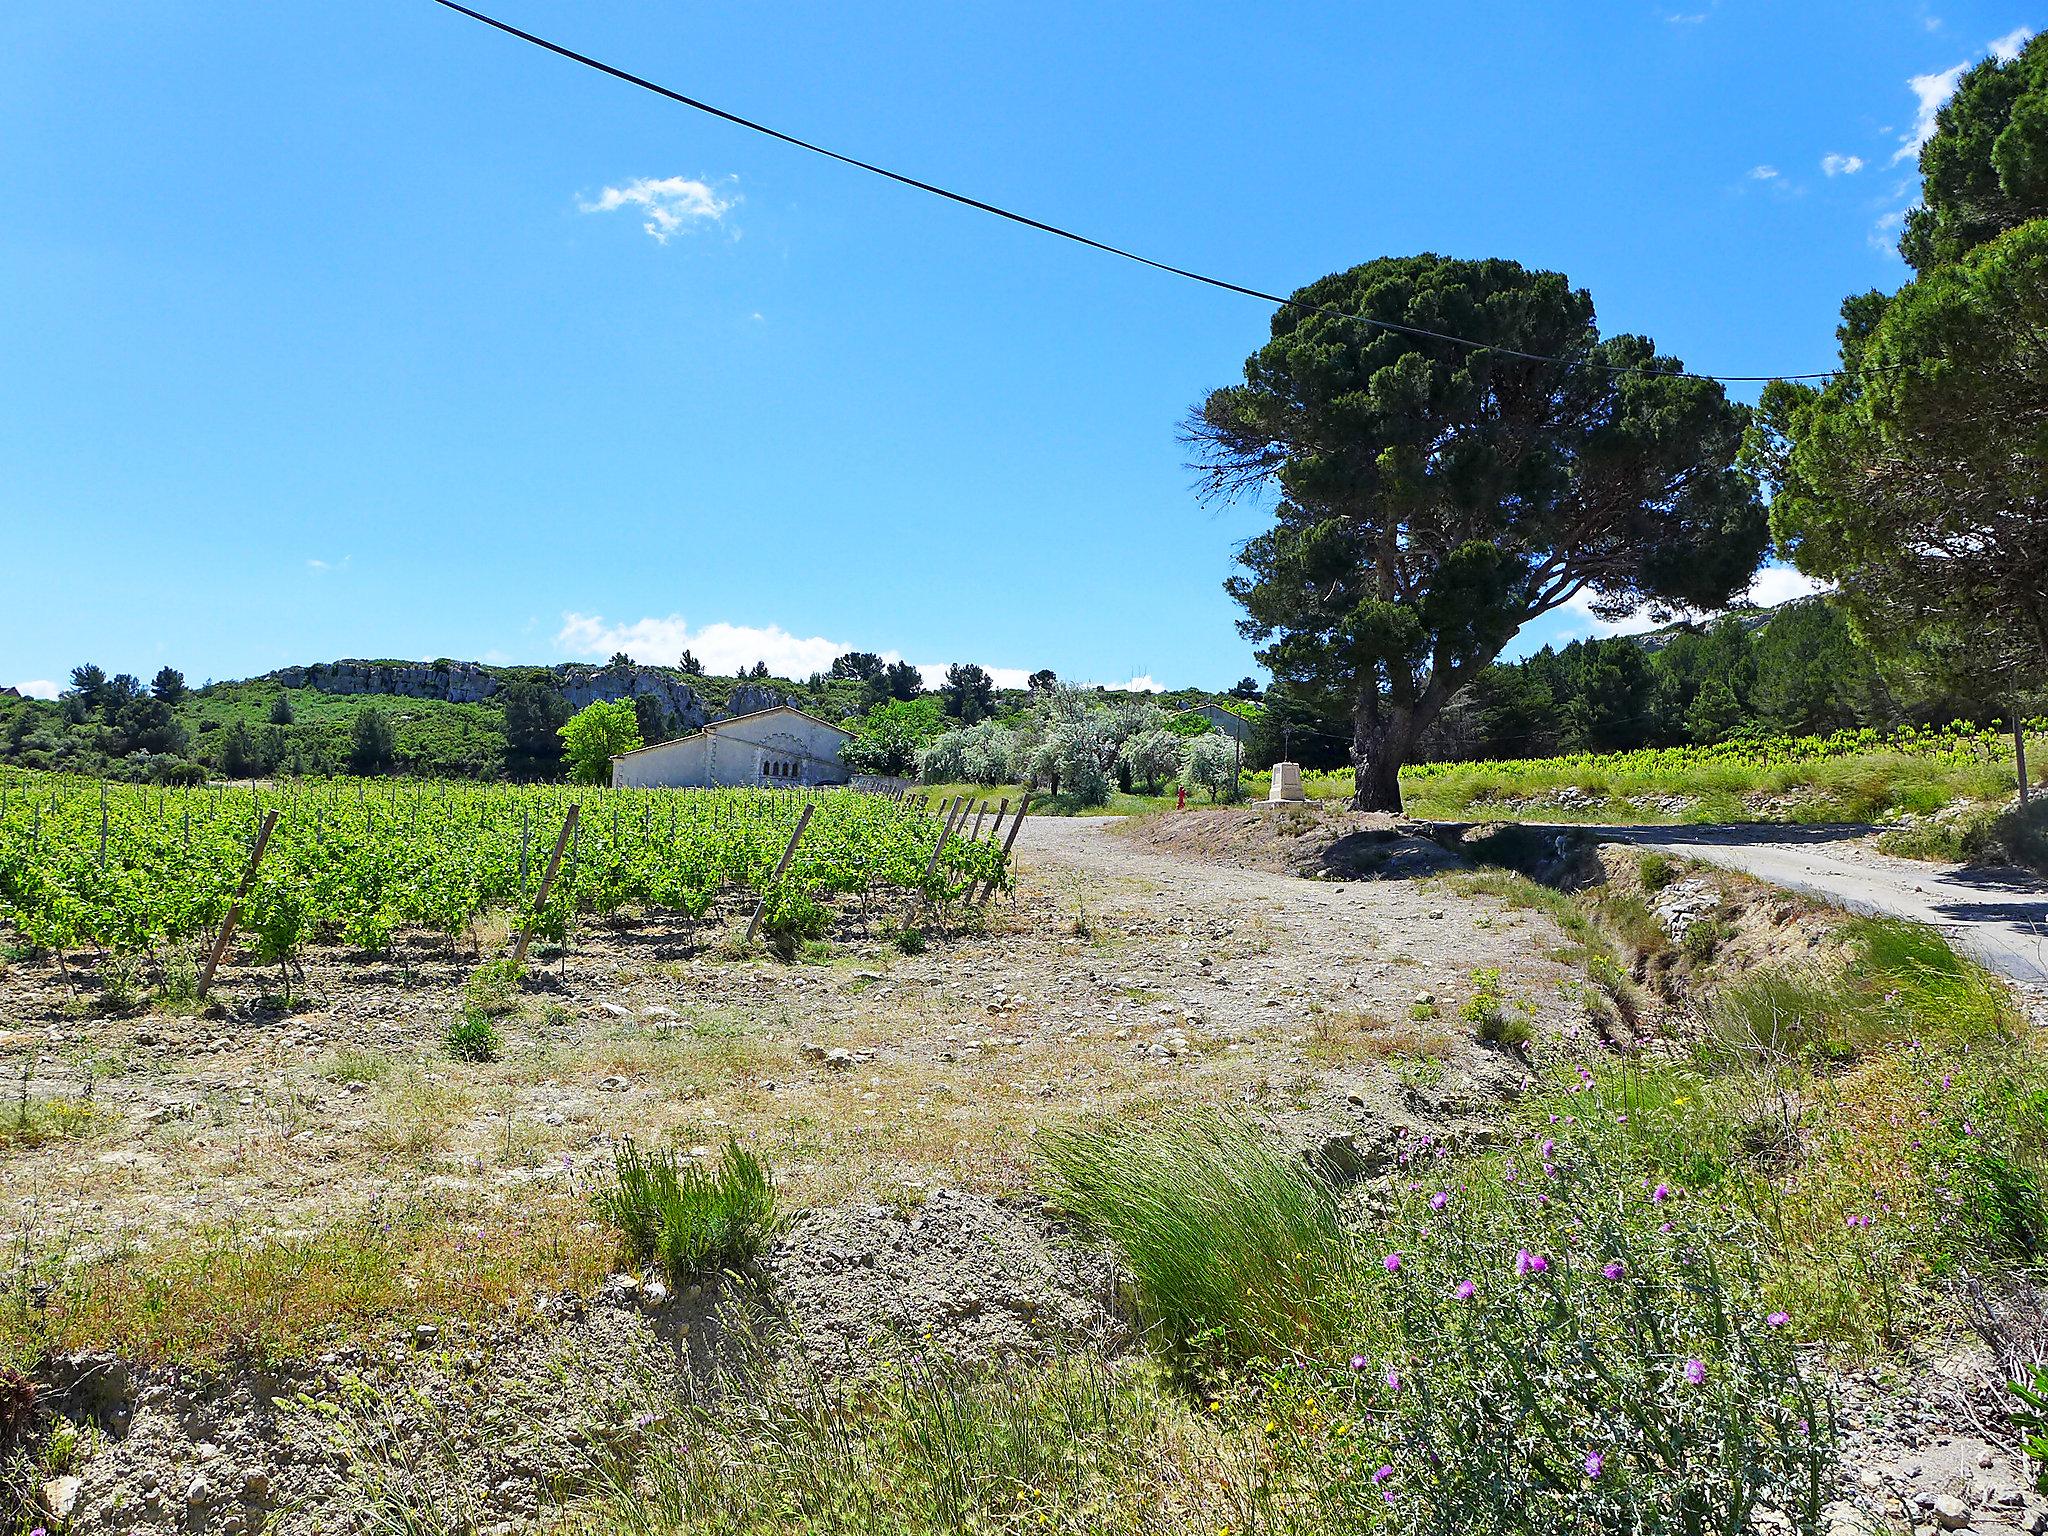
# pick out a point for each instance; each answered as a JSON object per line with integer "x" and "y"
{"x": 360, "y": 330}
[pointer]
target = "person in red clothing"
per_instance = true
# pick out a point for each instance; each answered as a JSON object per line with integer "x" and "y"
{"x": 1183, "y": 799}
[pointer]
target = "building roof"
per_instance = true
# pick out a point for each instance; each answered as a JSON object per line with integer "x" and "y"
{"x": 718, "y": 725}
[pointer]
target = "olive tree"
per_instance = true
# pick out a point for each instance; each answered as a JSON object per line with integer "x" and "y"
{"x": 1433, "y": 497}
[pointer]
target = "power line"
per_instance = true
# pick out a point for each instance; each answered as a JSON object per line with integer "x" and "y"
{"x": 1062, "y": 233}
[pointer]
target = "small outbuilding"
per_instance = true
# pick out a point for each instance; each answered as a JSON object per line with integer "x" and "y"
{"x": 778, "y": 748}
{"x": 1227, "y": 721}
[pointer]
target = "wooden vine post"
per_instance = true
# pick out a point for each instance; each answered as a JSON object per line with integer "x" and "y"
{"x": 988, "y": 888}
{"x": 945, "y": 831}
{"x": 547, "y": 884}
{"x": 234, "y": 917}
{"x": 781, "y": 868}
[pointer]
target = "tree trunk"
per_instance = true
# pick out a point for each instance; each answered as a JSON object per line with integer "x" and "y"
{"x": 1379, "y": 745}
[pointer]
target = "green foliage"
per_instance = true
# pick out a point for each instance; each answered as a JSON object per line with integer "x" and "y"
{"x": 596, "y": 734}
{"x": 927, "y": 1450}
{"x": 889, "y": 737}
{"x": 1986, "y": 168}
{"x": 695, "y": 1222}
{"x": 1153, "y": 757}
{"x": 353, "y": 861}
{"x": 1907, "y": 478}
{"x": 370, "y": 749}
{"x": 1610, "y": 471}
{"x": 1859, "y": 775}
{"x": 969, "y": 693}
{"x": 473, "y": 1037}
{"x": 1233, "y": 1247}
{"x": 535, "y": 713}
{"x": 793, "y": 916}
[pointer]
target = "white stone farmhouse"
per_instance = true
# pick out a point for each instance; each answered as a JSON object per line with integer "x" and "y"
{"x": 773, "y": 748}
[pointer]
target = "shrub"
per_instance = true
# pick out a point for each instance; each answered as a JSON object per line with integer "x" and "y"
{"x": 693, "y": 1221}
{"x": 1211, "y": 763}
{"x": 1233, "y": 1247}
{"x": 473, "y": 1037}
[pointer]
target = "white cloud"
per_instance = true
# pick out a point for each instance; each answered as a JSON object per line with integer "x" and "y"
{"x": 2007, "y": 48}
{"x": 1841, "y": 165}
{"x": 329, "y": 565}
{"x": 723, "y": 648}
{"x": 728, "y": 649}
{"x": 1933, "y": 92}
{"x": 1885, "y": 237}
{"x": 1774, "y": 584}
{"x": 1764, "y": 173}
{"x": 1686, "y": 18}
{"x": 1777, "y": 584}
{"x": 671, "y": 203}
{"x": 38, "y": 688}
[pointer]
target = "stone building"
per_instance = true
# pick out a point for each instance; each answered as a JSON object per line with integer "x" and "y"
{"x": 770, "y": 748}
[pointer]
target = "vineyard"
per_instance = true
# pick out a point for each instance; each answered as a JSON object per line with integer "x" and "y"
{"x": 134, "y": 870}
{"x": 1851, "y": 775}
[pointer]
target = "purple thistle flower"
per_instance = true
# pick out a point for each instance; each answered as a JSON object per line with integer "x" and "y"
{"x": 1466, "y": 1290}
{"x": 1439, "y": 1200}
{"x": 1393, "y": 1379}
{"x": 1595, "y": 1463}
{"x": 1613, "y": 1270}
{"x": 1548, "y": 1148}
{"x": 1393, "y": 1263}
{"x": 1382, "y": 1475}
{"x": 1527, "y": 1263}
{"x": 1778, "y": 1319}
{"x": 1359, "y": 1362}
{"x": 1660, "y": 1194}
{"x": 1696, "y": 1372}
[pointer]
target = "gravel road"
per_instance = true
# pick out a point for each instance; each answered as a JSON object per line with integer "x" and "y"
{"x": 1999, "y": 916}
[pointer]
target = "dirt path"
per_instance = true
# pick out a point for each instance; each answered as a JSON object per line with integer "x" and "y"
{"x": 1999, "y": 916}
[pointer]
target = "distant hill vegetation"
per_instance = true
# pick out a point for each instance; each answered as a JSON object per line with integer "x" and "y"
{"x": 441, "y": 719}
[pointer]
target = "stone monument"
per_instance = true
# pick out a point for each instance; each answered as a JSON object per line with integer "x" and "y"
{"x": 1286, "y": 784}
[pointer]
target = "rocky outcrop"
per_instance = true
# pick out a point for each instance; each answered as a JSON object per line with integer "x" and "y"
{"x": 466, "y": 682}
{"x": 458, "y": 682}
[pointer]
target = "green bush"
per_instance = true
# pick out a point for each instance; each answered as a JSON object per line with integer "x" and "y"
{"x": 473, "y": 1037}
{"x": 692, "y": 1220}
{"x": 1233, "y": 1247}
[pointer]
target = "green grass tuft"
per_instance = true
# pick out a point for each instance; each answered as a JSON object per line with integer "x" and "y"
{"x": 693, "y": 1221}
{"x": 1233, "y": 1247}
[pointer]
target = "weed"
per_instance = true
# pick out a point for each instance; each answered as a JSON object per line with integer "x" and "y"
{"x": 908, "y": 941}
{"x": 1656, "y": 870}
{"x": 1497, "y": 1019}
{"x": 492, "y": 989}
{"x": 694, "y": 1222}
{"x": 474, "y": 1038}
{"x": 1233, "y": 1247}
